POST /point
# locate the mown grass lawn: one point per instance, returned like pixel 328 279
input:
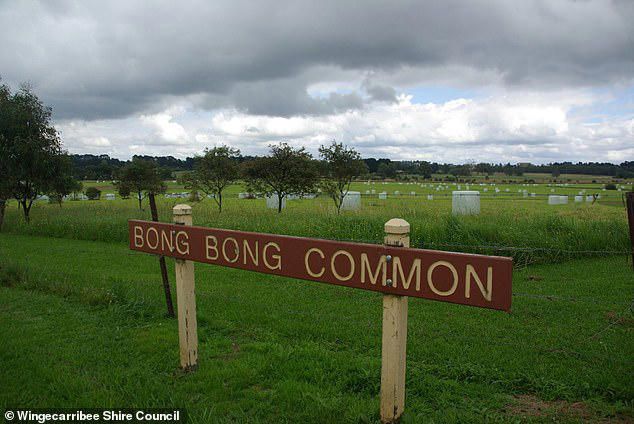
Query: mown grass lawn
pixel 83 324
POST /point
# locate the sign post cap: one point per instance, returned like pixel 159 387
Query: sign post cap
pixel 182 210
pixel 397 226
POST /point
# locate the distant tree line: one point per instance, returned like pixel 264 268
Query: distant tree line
pixel 103 167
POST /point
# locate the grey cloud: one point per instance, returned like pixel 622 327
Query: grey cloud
pixel 95 59
pixel 380 93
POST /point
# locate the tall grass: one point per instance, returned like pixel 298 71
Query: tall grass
pixel 528 230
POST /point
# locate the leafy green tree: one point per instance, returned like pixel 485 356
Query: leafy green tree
pixel 386 170
pixel 214 171
pixel 285 171
pixel 93 193
pixel 123 190
pixel 141 176
pixel 424 169
pixel 341 166
pixel 63 182
pixel 483 168
pixel 460 170
pixel 29 147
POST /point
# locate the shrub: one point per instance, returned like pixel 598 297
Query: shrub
pixel 610 186
pixel 93 193
pixel 123 190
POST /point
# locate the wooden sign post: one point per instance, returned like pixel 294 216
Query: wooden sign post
pixel 186 299
pixel 394 340
pixel 393 269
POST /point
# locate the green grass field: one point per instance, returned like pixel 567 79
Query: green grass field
pixel 83 324
pixel 83 317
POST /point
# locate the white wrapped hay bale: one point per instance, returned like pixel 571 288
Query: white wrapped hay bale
pixel 397 193
pixel 465 202
pixel 412 193
pixel 588 198
pixel 558 200
pixel 272 201
pixel 578 199
pixel 351 201
pixel 383 195
pixel 242 195
pixel 430 197
pixel 109 196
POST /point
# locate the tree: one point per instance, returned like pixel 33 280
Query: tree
pixel 424 169
pixel 141 176
pixel 123 190
pixel 5 184
pixel 214 171
pixel 285 171
pixel 63 183
pixel 93 193
pixel 341 166
pixel 386 170
pixel 460 171
pixel 556 173
pixel 29 146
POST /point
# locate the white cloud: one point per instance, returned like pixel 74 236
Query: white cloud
pixel 506 126
pixel 170 132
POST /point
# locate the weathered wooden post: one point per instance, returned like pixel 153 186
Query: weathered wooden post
pixel 186 299
pixel 163 267
pixel 629 202
pixel 394 340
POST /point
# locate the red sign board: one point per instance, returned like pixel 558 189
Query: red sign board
pixel 468 279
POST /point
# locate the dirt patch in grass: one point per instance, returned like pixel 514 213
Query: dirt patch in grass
pixel 526 407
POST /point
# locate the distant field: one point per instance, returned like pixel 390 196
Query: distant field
pixel 512 183
pixel 509 224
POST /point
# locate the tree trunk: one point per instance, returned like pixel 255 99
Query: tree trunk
pixel 279 203
pixel 3 204
pixel 220 202
pixel 139 194
pixel 26 209
pixel 166 284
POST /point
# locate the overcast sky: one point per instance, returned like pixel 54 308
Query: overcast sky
pixel 446 81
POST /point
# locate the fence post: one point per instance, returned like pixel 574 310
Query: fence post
pixel 629 203
pixel 186 299
pixel 162 266
pixel 394 339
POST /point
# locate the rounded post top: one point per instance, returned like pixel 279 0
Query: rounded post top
pixel 182 210
pixel 397 226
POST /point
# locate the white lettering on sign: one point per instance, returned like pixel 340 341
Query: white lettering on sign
pixel 381 266
pixel 430 282
pixel 334 269
pixel 277 258
pixel 307 258
pixel 236 252
pixel 397 270
pixel 485 293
